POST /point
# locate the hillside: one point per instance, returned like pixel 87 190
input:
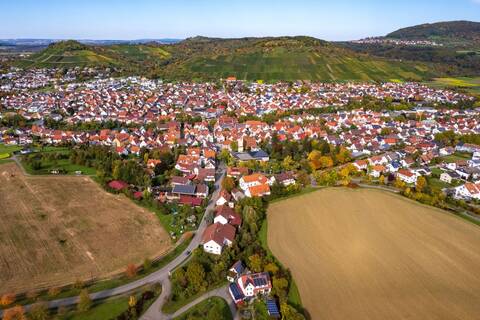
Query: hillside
pixel 200 58
pixel 452 32
pixel 72 53
pixel 285 58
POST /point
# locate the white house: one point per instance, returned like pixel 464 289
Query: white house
pixel 468 191
pixel 216 236
pixel 407 176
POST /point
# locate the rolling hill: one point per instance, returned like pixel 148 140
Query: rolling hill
pixel 200 58
pixel 284 58
pixel 460 33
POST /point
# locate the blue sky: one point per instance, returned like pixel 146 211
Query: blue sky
pixel 135 19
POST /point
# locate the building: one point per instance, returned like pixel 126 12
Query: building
pixel 407 176
pixel 225 214
pixel 249 286
pixel 255 185
pixel 235 271
pixel 468 191
pixel 216 236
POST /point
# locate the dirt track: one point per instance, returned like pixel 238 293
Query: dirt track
pixel 368 254
pixel 55 230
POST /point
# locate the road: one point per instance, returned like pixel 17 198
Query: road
pixel 221 292
pixel 159 276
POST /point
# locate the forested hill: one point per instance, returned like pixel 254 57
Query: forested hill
pixel 445 32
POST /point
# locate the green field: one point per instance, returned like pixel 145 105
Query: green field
pixel 108 309
pixel 469 84
pixel 212 308
pixel 280 64
pixel 4 150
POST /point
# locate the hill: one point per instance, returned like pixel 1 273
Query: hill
pixel 201 58
pixel 451 32
pixel 283 58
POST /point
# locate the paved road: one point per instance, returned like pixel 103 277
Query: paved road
pixel 159 276
pixel 220 292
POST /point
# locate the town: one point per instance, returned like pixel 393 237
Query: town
pixel 174 146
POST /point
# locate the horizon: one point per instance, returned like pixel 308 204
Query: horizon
pixel 147 19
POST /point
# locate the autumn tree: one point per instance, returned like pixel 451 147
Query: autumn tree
pixel 7 299
pixel 196 276
pixel 131 270
pixel 84 301
pixel 15 313
pixel 255 262
pixel 228 184
pixel 39 311
pixel 420 184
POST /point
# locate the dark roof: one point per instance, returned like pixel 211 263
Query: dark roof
pixel 236 292
pixel 184 189
pixel 272 308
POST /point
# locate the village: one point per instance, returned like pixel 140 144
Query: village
pixel 244 129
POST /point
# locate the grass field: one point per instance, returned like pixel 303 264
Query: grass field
pixel 208 309
pixel 470 84
pixel 57 230
pixel 368 254
pixel 8 150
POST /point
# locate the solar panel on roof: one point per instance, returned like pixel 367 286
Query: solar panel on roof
pixel 237 294
pixel 272 308
pixel 259 282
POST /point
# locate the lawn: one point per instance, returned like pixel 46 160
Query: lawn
pixel 62 164
pixel 109 309
pixel 457 156
pixel 212 308
pixel 4 149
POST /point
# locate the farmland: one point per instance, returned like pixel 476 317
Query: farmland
pixel 57 230
pixel 375 255
pixel 471 85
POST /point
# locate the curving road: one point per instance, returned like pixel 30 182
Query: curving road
pixel 221 292
pixel 159 276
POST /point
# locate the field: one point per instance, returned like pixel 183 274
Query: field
pixel 471 85
pixel 284 65
pixel 368 254
pixel 57 230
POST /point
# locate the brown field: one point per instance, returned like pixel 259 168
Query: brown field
pixel 368 254
pixel 56 230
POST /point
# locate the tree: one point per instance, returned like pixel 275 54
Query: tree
pixel 280 286
pixel 255 262
pixel 421 184
pixel 271 268
pixel 196 276
pixel 39 311
pixel 131 270
pixel 288 163
pixel 289 313
pixel 84 301
pixel 15 313
pixel 147 264
pixel 228 184
pixel 7 298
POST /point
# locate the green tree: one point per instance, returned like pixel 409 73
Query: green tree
pixel 39 311
pixel 196 276
pixel 84 301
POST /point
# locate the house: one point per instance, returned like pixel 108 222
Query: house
pixel 285 178
pixel 377 171
pixel 184 189
pixel 448 177
pixel 237 172
pixel 258 155
pixel 407 176
pixel 224 215
pixel 201 191
pixel 252 180
pixel 468 191
pixel 235 271
pixel 361 164
pixel 224 198
pixel 249 286
pixel 216 236
pixel 190 201
pixel 175 180
pixel 237 195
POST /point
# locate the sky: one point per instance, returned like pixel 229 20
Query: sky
pixel 150 19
